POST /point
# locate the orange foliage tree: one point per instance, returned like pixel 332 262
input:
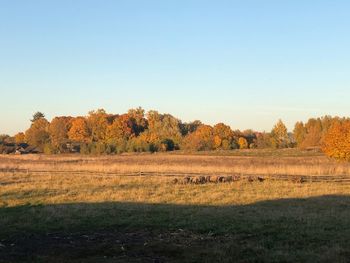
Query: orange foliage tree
pixel 200 140
pixel 79 131
pixel 336 143
pixel 58 131
pixel 312 133
pixel 121 128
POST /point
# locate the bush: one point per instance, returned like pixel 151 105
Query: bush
pixel 138 144
pixel 98 148
pixel 49 149
pixel 84 148
pixel 167 145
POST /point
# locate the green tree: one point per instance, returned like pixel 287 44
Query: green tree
pixel 38 115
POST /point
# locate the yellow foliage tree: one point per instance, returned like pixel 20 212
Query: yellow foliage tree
pixel 38 135
pixel 279 135
pixel 20 138
pixel 243 143
pixel 97 122
pixel 223 136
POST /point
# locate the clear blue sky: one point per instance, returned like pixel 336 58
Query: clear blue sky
pixel 246 63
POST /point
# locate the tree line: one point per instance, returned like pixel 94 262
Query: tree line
pixel 136 131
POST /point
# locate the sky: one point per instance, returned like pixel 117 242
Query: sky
pixel 245 63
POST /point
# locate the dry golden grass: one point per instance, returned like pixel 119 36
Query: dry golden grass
pixel 255 164
pixel 107 218
pixel 20 189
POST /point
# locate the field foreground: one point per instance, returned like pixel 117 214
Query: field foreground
pixel 101 218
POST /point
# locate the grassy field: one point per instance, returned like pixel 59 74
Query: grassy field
pixel 97 218
pixel 263 162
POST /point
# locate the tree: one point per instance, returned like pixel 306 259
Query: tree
pixel 243 143
pixel 250 136
pixel 58 131
pixel 138 119
pixel 299 133
pixel 337 141
pixel 20 138
pixel 189 127
pixel 223 136
pixel 263 140
pixel 121 128
pixel 312 133
pixel 200 140
pixel 163 127
pixel 38 115
pixel 38 135
pixel 279 135
pixel 79 131
pixel 4 138
pixel 97 122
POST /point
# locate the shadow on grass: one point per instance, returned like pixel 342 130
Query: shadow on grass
pixel 288 230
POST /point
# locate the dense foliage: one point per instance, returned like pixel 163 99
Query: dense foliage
pixel 336 142
pixel 136 131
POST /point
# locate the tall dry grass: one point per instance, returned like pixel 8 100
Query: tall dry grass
pixel 263 165
pixel 22 188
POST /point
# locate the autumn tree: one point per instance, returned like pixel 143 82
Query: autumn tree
pixel 200 140
pixel 161 129
pixel 119 132
pixel 121 128
pixel 336 142
pixel 4 138
pixel 38 134
pixel 243 143
pixel 250 136
pixel 312 133
pixel 299 133
pixel 279 135
pixel 262 140
pixel 20 138
pixel 79 131
pixel 97 122
pixel 58 131
pixel 223 137
pixel 139 121
pixel 189 127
